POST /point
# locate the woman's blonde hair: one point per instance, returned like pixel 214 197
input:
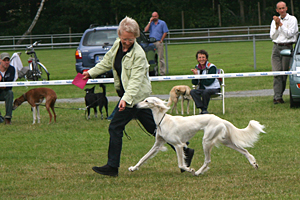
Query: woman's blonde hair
pixel 129 25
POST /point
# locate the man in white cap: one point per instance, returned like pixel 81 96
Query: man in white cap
pixel 7 74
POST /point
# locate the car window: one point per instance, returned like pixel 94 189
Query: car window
pixel 142 38
pixel 99 37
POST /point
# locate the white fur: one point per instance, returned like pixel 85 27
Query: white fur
pixel 177 130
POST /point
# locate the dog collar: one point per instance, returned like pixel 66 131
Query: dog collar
pixel 24 97
pixel 161 119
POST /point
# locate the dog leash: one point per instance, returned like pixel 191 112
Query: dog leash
pixel 158 125
pixel 66 108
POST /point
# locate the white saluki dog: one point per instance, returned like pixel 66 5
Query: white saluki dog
pixel 177 130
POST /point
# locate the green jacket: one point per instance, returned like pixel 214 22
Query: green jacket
pixel 135 73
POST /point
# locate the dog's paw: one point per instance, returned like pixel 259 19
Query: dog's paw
pixel 133 168
pixel 192 171
pixel 255 165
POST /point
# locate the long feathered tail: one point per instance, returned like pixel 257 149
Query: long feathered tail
pixel 245 137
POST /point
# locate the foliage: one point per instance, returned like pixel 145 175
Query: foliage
pixel 76 15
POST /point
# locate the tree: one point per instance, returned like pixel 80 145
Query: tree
pixel 33 22
pixel 242 13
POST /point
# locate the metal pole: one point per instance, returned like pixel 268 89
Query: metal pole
pixel 254 52
pixel 182 21
pixel 219 11
pixel 258 8
pixel 167 63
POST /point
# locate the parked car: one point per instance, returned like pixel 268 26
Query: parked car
pixel 294 78
pixel 97 40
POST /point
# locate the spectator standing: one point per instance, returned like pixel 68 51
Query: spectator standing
pixel 7 74
pixel 283 32
pixel 158 29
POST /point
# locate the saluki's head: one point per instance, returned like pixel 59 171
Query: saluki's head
pixel 152 103
pixel 19 101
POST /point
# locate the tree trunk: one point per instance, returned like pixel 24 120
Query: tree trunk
pixel 33 22
pixel 242 14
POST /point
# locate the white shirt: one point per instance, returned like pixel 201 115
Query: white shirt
pixel 287 33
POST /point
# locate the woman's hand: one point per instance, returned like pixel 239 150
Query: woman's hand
pixel 195 71
pixel 122 105
pixel 86 75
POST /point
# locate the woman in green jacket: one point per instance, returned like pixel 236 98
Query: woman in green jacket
pixel 131 80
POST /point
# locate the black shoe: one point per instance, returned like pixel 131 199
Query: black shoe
pixel 7 121
pixel 278 101
pixel 189 153
pixel 106 170
pixel 204 112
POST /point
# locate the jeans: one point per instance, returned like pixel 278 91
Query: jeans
pixel 117 126
pixel 201 97
pixel 8 97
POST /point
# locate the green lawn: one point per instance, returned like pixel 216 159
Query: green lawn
pixel 54 161
pixel 232 57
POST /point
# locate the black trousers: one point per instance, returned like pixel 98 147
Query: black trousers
pixel 201 97
pixel 117 127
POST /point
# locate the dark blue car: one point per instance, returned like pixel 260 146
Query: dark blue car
pixel 96 41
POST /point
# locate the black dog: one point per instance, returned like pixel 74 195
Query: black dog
pixel 93 100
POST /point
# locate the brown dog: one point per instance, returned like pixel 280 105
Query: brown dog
pixel 175 93
pixel 35 97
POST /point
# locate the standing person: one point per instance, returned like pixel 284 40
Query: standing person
pixel 284 30
pixel 7 74
pixel 158 29
pixel 205 87
pixel 131 80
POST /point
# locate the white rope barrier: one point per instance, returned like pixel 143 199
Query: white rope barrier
pixel 152 78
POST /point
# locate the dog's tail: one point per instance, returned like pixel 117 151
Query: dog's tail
pixel 245 137
pixel 103 88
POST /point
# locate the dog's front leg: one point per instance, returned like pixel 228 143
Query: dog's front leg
pixel 180 157
pixel 188 107
pixel 151 153
pixel 38 114
pixel 34 114
pixel 182 109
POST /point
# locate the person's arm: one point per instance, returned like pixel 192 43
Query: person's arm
pixel 195 81
pixel 148 25
pixel 273 31
pixel 138 70
pixel 163 37
pixel 1 80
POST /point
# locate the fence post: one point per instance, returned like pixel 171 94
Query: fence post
pixel 254 52
pixel 52 41
pixel 208 34
pixel 167 63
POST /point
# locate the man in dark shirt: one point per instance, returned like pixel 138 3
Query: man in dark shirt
pixel 7 74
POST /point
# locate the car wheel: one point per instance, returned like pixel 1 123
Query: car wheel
pixel 293 103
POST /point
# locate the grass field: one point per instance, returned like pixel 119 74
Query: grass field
pixel 232 57
pixel 54 161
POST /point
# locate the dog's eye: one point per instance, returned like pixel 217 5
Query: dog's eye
pixel 146 100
